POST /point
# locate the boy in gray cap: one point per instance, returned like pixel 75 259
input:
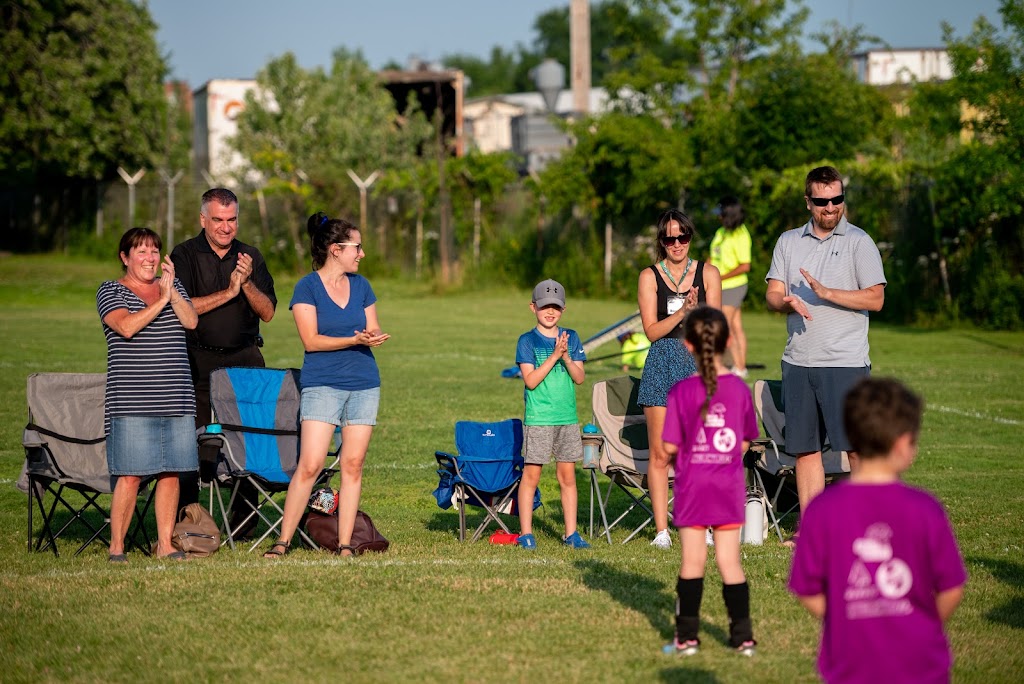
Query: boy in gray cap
pixel 550 359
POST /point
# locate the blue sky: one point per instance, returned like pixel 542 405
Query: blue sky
pixel 234 38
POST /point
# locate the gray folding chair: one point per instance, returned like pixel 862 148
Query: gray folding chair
pixel 625 454
pixel 65 470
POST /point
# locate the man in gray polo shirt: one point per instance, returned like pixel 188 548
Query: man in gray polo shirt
pixel 826 275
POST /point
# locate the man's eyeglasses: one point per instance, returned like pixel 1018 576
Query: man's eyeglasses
pixel 357 245
pixel 823 201
pixel 669 240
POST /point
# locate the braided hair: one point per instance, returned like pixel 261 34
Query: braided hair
pixel 708 331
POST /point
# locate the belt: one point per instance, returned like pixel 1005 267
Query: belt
pixel 257 341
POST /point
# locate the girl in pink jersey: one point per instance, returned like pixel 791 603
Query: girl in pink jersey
pixel 709 424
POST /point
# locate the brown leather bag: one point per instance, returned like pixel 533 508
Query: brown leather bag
pixel 323 529
pixel 196 532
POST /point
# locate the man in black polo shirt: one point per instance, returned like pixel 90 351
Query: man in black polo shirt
pixel 232 291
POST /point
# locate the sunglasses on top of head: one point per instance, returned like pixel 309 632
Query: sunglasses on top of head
pixel 823 201
pixel 669 240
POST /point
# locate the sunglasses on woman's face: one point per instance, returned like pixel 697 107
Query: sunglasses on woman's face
pixel 669 240
pixel 823 201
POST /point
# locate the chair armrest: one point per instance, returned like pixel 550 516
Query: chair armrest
pixel 449 462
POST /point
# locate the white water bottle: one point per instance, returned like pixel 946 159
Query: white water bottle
pixel 753 525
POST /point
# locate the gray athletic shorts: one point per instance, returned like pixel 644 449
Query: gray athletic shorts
pixel 544 441
pixel 813 400
pixel 734 296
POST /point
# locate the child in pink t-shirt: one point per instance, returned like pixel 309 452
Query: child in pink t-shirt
pixel 877 559
pixel 709 423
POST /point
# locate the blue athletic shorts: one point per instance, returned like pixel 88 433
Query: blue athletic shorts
pixel 813 400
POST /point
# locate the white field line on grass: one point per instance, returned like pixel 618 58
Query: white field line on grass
pixel 975 414
pixel 400 466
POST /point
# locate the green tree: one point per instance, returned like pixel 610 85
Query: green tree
pixel 80 94
pixel 494 76
pixel 81 89
pixel 302 130
pixel 979 192
pixel 783 120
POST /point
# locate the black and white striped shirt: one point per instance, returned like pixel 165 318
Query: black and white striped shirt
pixel 147 375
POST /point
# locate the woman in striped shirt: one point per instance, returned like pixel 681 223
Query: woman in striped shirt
pixel 150 403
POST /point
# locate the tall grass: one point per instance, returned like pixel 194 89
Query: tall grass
pixel 435 609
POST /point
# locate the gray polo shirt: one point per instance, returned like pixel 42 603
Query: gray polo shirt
pixel 846 260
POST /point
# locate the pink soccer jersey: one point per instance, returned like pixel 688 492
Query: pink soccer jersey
pixel 709 487
pixel 880 553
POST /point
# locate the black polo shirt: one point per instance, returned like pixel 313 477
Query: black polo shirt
pixel 202 272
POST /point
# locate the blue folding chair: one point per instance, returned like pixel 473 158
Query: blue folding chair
pixel 256 413
pixel 485 473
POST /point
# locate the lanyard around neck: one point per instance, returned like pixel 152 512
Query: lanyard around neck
pixel 672 280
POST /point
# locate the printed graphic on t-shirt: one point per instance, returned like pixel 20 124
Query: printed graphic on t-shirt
pixel 723 439
pixel 877 583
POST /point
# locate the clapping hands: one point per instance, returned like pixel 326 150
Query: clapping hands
pixel 371 338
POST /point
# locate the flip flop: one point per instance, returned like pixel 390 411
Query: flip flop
pixel 117 558
pixel 790 542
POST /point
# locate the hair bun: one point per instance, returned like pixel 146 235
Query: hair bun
pixel 315 222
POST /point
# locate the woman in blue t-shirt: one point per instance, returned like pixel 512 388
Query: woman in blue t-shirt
pixel 335 312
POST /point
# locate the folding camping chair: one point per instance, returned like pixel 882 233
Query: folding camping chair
pixel 256 414
pixel 768 456
pixel 485 472
pixel 625 453
pixel 66 461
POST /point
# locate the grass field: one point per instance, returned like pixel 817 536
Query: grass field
pixel 434 609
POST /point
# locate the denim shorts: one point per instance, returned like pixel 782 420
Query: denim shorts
pixel 813 401
pixel 340 407
pixel 541 442
pixel 148 445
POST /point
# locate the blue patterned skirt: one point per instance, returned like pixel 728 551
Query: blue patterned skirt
pixel 668 362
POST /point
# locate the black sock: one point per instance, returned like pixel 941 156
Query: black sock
pixel 737 604
pixel 689 593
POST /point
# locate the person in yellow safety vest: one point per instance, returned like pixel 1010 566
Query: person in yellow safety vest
pixel 634 350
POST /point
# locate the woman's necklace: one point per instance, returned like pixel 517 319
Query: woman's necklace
pixel 668 274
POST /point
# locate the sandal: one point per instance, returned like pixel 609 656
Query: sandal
pixel 345 547
pixel 278 549
pixel 790 542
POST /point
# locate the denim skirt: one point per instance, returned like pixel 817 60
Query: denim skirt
pixel 148 445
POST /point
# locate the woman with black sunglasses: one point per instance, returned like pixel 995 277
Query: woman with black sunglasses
pixel 667 291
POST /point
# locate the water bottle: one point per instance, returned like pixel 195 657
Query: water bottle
pixel 753 525
pixel 592 439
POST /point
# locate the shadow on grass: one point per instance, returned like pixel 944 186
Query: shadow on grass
pixel 1011 612
pixel 545 521
pixel 687 674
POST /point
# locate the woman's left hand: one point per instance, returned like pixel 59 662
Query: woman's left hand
pixel 691 300
pixel 167 278
pixel 372 338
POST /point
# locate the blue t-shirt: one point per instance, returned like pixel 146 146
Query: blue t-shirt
pixel 553 401
pixel 353 368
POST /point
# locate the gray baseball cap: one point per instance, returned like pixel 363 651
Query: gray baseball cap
pixel 549 292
